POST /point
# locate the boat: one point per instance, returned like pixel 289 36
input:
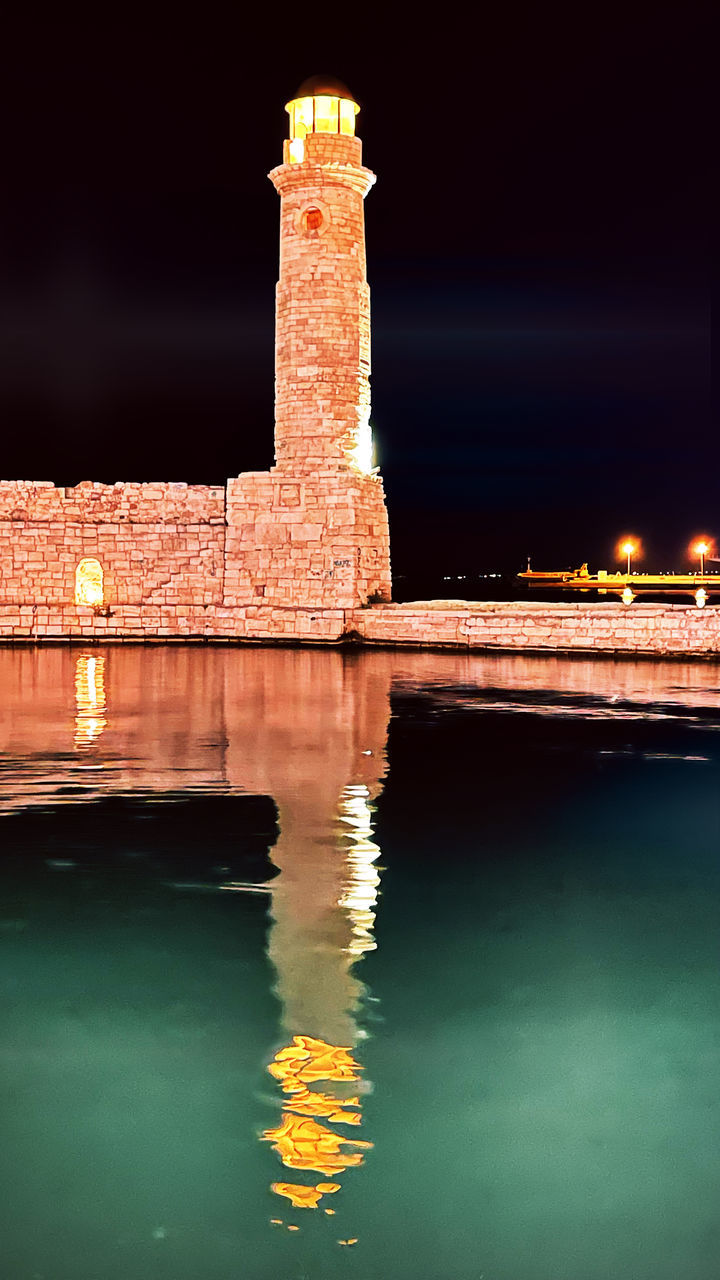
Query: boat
pixel 700 586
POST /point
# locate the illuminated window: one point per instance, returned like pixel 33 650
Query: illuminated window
pixel 348 111
pixel 89 582
pixel 326 115
pixel 321 113
pixel 301 117
pixel 312 219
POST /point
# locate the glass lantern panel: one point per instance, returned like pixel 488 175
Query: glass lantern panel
pixel 347 117
pixel 301 119
pixel 326 115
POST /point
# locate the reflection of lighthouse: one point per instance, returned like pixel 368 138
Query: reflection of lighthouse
pixel 319 725
pixel 323 911
pixel 323 908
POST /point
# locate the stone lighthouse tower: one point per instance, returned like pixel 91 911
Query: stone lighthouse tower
pixel 322 336
pixel 318 519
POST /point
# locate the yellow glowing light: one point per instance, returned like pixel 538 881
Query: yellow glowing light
pixel 90 699
pixel 322 113
pixel 701 597
pixel 301 117
pixel 327 115
pixel 628 596
pixel 89 582
pixel 701 549
pixel 628 547
pixel 348 112
pixel 296 151
pixel 362 454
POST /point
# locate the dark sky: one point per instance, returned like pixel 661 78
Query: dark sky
pixel 537 241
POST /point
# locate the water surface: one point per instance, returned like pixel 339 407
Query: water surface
pixel 366 965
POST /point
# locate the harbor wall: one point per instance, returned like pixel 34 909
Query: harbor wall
pixel 672 630
pixel 155 544
pixel 600 627
pixel 178 559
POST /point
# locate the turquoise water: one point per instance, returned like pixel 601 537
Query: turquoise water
pixel 260 907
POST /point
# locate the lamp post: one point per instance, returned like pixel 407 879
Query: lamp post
pixel 701 549
pixel 627 550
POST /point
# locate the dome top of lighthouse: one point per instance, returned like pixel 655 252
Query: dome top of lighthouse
pixel 323 86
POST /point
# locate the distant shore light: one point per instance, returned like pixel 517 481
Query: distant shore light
pixel 701 549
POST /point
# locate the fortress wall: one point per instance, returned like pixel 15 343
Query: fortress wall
pixel 169 621
pixel 601 627
pixel 159 503
pixel 672 630
pixel 294 541
pixel 156 543
pixel 290 542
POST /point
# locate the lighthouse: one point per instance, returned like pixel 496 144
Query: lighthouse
pixel 322 326
pixel 312 533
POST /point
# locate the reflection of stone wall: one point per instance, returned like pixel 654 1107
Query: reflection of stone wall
pixel 306 727
pixel 289 723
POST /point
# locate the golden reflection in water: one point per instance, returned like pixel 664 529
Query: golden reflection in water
pixel 321 1080
pixel 302 1142
pixel 90 702
pixel 323 913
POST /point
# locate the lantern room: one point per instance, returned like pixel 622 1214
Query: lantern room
pixel 321 105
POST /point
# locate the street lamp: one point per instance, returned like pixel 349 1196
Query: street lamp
pixel 628 549
pixel 701 549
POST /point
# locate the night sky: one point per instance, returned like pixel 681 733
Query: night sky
pixel 537 255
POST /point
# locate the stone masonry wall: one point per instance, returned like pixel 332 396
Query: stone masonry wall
pixel 602 627
pixel 181 560
pixel 295 541
pixel 159 503
pixel 156 543
pixel 650 630
pixel 322 318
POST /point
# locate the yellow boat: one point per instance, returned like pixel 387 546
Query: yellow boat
pixel 626 585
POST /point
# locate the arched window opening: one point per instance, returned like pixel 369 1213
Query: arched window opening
pixel 89 582
pixel 313 219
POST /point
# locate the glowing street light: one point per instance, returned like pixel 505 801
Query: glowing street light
pixel 701 549
pixel 628 549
